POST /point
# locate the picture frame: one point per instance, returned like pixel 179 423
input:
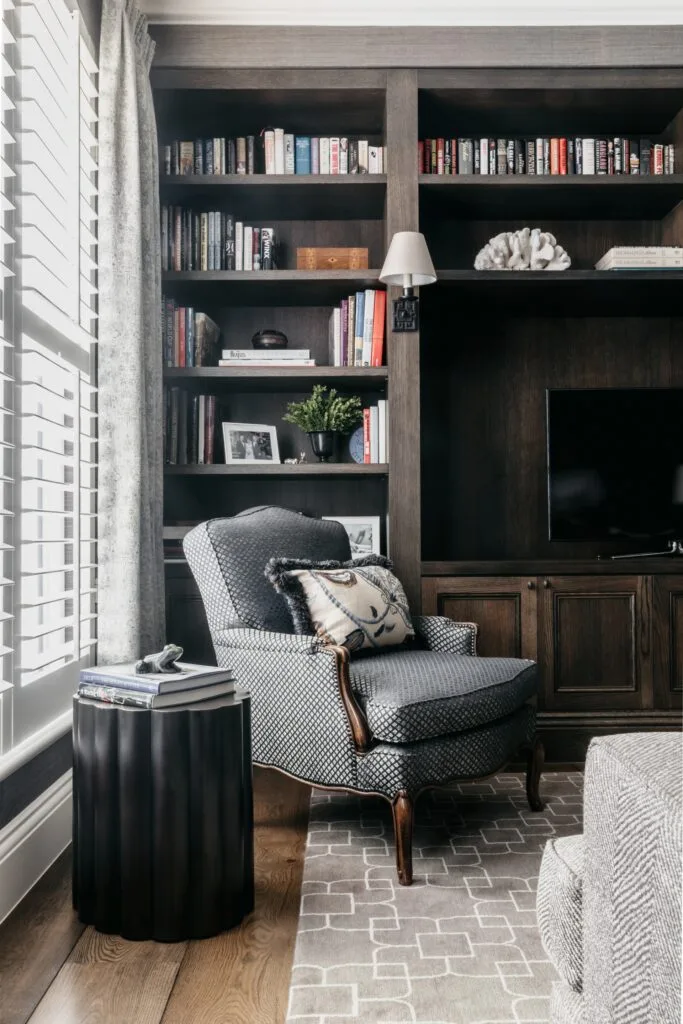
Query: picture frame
pixel 250 443
pixel 364 533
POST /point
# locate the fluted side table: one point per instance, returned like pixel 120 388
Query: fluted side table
pixel 163 818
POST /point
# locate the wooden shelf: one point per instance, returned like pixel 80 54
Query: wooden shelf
pixel 283 196
pixel 307 469
pixel 554 567
pixel 270 287
pixel 280 378
pixel 590 197
pixel 566 292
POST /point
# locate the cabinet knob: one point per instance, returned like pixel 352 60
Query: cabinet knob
pixel 530 584
pixel 546 584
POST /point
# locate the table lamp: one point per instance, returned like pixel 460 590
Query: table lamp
pixel 407 264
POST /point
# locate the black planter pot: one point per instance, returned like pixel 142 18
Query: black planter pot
pixel 324 443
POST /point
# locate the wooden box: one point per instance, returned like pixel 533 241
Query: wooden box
pixel 322 258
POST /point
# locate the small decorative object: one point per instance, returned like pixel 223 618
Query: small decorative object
pixel 528 249
pixel 321 258
pixel 357 445
pixel 162 661
pixel 409 265
pixel 324 416
pixel 302 458
pixel 269 339
pixel 291 462
pixel 250 442
pixel 363 533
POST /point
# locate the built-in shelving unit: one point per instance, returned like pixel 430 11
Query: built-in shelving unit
pixel 347 469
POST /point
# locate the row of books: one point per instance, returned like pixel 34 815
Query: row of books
pixel 642 257
pixel 274 151
pixel 189 428
pixel 254 357
pixel 121 684
pixel 545 156
pixel 356 330
pixel 213 241
pixel 375 434
pixel 189 338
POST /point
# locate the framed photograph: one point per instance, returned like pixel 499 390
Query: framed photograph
pixel 250 442
pixel 364 533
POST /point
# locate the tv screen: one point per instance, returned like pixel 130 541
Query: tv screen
pixel 615 464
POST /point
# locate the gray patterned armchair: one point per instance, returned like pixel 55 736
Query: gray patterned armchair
pixel 392 723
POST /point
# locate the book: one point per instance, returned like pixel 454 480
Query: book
pixel 279 142
pixel 358 335
pixel 136 699
pixel 124 676
pixel 382 446
pixel 368 318
pixel 343 156
pixel 324 156
pixel 269 150
pixel 362 156
pixel 268 362
pixel 334 156
pixel 302 154
pixel 289 153
pixel 379 316
pixel 374 434
pixel 241 148
pixel 366 436
pixel 255 355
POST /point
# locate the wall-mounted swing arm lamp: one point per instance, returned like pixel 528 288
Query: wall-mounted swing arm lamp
pixel 408 265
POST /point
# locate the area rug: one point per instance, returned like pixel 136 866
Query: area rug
pixel 459 946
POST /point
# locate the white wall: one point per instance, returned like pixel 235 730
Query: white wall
pixel 414 12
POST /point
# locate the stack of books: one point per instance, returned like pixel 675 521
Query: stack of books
pixel 254 357
pixel 375 436
pixel 189 428
pixel 642 257
pixel 120 684
pixel 545 156
pixel 275 151
pixel 189 338
pixel 356 332
pixel 213 241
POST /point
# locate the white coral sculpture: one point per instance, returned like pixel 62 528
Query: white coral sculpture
pixel 528 249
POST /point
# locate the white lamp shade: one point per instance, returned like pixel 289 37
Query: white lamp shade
pixel 408 257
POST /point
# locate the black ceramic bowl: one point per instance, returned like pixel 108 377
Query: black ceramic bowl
pixel 269 339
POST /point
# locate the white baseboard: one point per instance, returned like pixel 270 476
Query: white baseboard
pixel 32 841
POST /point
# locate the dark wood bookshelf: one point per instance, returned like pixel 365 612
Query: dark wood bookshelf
pixel 598 196
pixel 272 287
pixel 296 196
pixel 351 469
pixel 280 378
pixel 582 293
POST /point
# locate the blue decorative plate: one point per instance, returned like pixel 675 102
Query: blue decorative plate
pixel 356 445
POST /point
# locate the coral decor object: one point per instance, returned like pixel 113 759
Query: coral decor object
pixel 528 249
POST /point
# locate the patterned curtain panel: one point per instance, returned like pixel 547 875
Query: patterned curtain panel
pixel 131 580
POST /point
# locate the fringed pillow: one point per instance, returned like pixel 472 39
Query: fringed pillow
pixel 357 604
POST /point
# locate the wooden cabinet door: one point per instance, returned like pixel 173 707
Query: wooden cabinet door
pixel 667 614
pixel 504 608
pixel 595 642
pixel 185 618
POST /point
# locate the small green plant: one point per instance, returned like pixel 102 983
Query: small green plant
pixel 325 411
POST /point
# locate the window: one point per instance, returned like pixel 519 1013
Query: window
pixel 49 316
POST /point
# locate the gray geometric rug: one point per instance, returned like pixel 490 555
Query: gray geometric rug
pixel 459 946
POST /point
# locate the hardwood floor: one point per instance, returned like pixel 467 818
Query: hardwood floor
pixel 55 971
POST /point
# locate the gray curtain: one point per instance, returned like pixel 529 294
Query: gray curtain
pixel 131 573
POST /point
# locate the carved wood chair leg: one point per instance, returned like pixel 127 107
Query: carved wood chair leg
pixel 403 809
pixel 535 759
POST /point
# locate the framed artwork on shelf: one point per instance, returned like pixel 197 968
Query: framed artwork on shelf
pixel 250 442
pixel 364 533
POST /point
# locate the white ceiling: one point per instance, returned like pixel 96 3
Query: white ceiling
pixel 404 12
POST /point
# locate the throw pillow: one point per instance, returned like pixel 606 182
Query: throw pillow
pixel 357 604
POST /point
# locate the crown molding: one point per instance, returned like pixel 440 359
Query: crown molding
pixel 498 13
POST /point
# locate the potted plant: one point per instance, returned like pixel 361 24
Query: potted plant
pixel 324 416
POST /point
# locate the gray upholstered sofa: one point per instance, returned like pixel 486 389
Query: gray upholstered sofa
pixel 609 901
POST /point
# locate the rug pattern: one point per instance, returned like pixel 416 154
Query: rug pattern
pixel 459 946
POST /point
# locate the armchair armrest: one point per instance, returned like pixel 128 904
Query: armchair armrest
pixel 441 634
pixel 262 640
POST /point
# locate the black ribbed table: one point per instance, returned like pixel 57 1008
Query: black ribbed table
pixel 163 818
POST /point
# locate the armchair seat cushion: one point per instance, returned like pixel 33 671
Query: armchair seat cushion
pixel 415 695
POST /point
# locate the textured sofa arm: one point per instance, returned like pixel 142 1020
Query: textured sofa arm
pixel 441 634
pixel 262 640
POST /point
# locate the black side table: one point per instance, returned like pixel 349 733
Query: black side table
pixel 163 818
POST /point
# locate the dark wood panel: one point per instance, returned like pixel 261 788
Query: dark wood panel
pixel 548 567
pixel 308 469
pixel 257 46
pixel 264 379
pixel 403 349
pixel 595 642
pixel 186 623
pixel 26 784
pixel 668 642
pixel 484 494
pixel 567 735
pixel 504 609
pixel 218 288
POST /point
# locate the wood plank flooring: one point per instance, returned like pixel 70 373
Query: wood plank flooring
pixel 53 971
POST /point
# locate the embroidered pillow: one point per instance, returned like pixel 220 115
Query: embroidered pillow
pixel 357 604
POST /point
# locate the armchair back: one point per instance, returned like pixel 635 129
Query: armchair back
pixel 228 558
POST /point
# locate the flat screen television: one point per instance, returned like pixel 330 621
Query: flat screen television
pixel 615 464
